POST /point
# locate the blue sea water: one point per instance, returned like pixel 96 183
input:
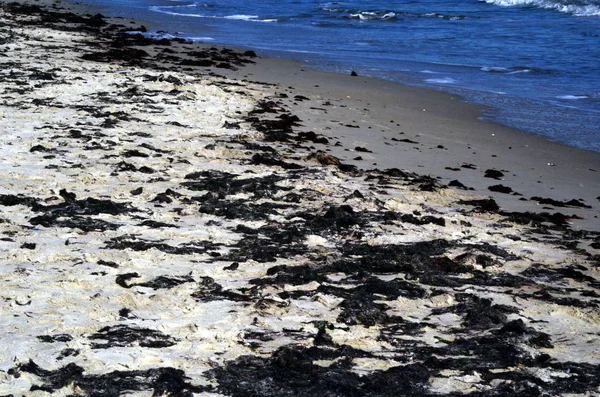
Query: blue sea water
pixel 534 64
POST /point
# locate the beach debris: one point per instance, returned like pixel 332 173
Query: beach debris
pixel 483 205
pixel 494 174
pixel 500 189
pixel 123 335
pixel 557 203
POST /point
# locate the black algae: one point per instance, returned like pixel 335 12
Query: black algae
pixel 55 338
pixel 164 381
pixel 272 160
pixel 135 244
pixel 494 174
pixel 291 371
pixel 409 218
pixel 484 205
pixel 557 203
pixel 210 291
pixel 85 224
pixel 222 184
pixel 537 219
pixel 123 335
pixel 478 313
pixel 360 309
pixel 500 189
pixel 238 209
pixel 10 200
pixel 161 282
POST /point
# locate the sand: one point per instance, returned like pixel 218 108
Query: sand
pixel 171 229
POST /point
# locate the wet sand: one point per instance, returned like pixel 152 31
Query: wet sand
pixel 179 220
pixel 433 133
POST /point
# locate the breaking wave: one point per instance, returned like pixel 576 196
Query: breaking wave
pixel 580 8
pixel 386 15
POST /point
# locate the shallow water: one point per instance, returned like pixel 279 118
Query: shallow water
pixel 533 62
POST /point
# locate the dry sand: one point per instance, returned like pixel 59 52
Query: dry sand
pixel 169 230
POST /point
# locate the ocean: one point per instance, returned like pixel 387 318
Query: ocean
pixel 533 64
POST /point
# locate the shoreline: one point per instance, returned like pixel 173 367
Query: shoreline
pixel 544 169
pixel 175 222
pixel 502 117
pixel 532 165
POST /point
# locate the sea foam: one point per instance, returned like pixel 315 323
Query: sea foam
pixel 585 8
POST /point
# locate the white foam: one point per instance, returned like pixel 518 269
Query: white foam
pixel 494 69
pixel 200 38
pixel 241 17
pixel 585 8
pixel 443 80
pixel 573 97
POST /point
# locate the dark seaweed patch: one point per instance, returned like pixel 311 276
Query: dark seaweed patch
pixel 478 313
pixel 88 206
pixel 484 205
pixel 272 160
pixel 500 189
pixel 123 335
pixel 209 290
pixel 133 243
pixel 311 136
pixel 360 309
pixel 85 224
pixel 10 200
pixel 425 220
pixel 73 213
pixel 494 174
pixel 164 381
pixel 223 184
pixel 161 282
pixel 290 371
pixel 557 203
pixel 537 219
pixel 55 338
pixel 238 209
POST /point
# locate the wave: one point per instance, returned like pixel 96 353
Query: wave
pixel 573 97
pixel 516 70
pixel 580 8
pixel 238 17
pixel 442 80
pixel 387 15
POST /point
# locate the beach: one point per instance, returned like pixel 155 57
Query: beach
pixel 183 219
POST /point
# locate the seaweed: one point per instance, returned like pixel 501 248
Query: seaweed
pixel 160 282
pixel 483 205
pixel 478 313
pixel 123 335
pixel 360 309
pixel 557 203
pixel 163 381
pixel 55 338
pixel 222 184
pixel 210 291
pixel 272 160
pixel 133 243
pixel 291 371
pixel 85 224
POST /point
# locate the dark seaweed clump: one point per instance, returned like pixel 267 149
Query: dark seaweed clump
pixel 290 371
pixel 163 381
pixel 123 335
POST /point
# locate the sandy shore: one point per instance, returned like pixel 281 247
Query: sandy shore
pixel 181 220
